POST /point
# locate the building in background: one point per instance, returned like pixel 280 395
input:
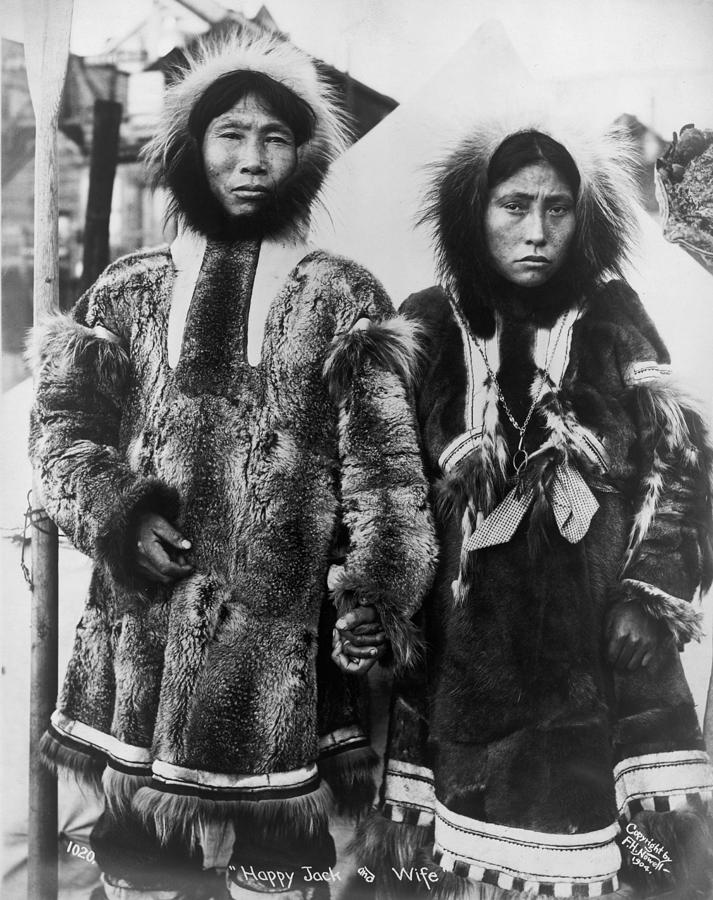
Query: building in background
pixel 131 71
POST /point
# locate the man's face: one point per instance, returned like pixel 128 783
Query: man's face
pixel 248 153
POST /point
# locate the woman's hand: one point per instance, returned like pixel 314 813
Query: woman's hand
pixel 358 640
pixel 161 550
pixel 632 636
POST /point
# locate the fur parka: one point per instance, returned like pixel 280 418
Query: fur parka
pixel 215 698
pixel 519 760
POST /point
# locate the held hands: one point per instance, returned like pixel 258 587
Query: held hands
pixel 358 640
pixel 161 550
pixel 632 636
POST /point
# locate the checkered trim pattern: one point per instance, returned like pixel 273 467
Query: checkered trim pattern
pixel 553 865
pixel 409 796
pixel 679 779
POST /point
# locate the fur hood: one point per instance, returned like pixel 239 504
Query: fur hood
pixel 284 63
pixel 606 222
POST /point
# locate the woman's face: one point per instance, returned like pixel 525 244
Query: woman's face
pixel 529 224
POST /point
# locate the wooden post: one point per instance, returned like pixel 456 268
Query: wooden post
pixel 105 152
pixel 47 29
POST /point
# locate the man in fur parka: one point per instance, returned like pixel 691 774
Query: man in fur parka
pixel 219 424
pixel 550 738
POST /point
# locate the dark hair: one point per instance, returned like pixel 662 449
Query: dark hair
pixel 227 90
pixel 525 148
pixel 456 206
pixel 184 172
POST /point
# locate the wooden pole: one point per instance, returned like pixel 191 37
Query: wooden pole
pixel 105 153
pixel 47 29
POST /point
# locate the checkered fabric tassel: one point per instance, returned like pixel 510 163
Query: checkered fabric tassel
pixel 573 506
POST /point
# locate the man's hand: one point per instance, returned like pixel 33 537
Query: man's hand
pixel 358 640
pixel 161 550
pixel 632 636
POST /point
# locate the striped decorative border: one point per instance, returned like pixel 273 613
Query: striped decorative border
pixel 459 448
pixel 646 371
pixel 554 865
pixel 409 795
pixel 172 779
pixel 662 782
pixel 126 758
pixel 342 739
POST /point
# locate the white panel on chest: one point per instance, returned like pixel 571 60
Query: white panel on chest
pixel 277 259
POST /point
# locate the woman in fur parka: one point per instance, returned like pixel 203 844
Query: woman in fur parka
pixel 218 424
pixel 550 738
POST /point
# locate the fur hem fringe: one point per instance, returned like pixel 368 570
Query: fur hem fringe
pixel 350 775
pixel 383 845
pixel 394 345
pixel 177 817
pixel 73 765
pixel 120 788
pixel 688 839
pixel 681 619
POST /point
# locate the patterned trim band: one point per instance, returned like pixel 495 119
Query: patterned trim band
pixel 644 372
pixel 408 793
pixel 554 865
pixel 660 780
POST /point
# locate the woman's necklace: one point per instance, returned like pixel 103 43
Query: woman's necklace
pixel 520 456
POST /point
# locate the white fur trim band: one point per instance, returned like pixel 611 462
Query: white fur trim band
pixel 524 860
pixel 659 781
pixel 127 756
pixel 174 779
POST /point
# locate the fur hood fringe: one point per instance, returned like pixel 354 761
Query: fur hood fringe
pixel 606 217
pixel 267 55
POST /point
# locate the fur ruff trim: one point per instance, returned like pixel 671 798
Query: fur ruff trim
pixel 606 218
pixel 381 844
pixel 120 788
pixel 268 55
pixel 395 345
pixel 404 637
pixel 73 765
pixel 684 622
pixel 177 817
pixel 688 839
pixel 59 343
pixel 672 432
pixel 350 775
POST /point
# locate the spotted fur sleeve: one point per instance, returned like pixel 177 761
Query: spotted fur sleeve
pixel 391 543
pixel 82 369
pixel 669 554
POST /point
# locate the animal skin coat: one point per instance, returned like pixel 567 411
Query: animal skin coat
pixel 518 760
pixel 280 440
